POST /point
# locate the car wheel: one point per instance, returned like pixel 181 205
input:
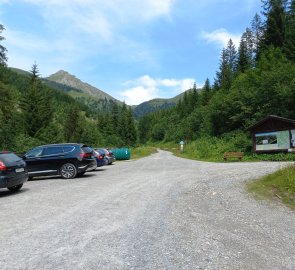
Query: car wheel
pixel 15 188
pixel 68 171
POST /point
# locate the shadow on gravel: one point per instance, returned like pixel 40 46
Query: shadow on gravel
pixel 43 178
pixel 98 170
pixel 6 193
pixel 86 175
pixel 55 177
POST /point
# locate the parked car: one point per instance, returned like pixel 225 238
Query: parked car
pixel 67 160
pixel 13 171
pixel 110 158
pixel 100 158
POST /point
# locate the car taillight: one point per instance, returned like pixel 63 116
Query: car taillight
pixel 109 154
pixel 85 155
pixel 2 166
pixel 100 157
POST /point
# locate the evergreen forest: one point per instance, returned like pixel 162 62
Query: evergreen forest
pixel 254 80
pixel 32 114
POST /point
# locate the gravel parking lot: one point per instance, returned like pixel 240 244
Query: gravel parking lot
pixel 159 212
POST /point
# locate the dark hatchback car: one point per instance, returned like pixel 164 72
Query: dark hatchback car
pixel 67 160
pixel 109 156
pixel 13 171
pixel 100 158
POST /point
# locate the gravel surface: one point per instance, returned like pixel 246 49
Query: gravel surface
pixel 159 212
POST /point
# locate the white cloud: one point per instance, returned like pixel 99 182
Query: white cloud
pixel 80 28
pixel 146 88
pixel 102 16
pixel 139 94
pixel 221 37
pixel 26 41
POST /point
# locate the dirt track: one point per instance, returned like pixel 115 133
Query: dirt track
pixel 160 212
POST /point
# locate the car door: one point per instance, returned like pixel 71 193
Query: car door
pixel 34 161
pixel 54 157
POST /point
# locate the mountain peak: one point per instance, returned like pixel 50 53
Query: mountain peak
pixel 64 77
pixel 61 76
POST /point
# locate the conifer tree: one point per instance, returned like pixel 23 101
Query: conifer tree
pixel 245 52
pixel 72 127
pixel 131 135
pixel 275 26
pixel 289 44
pixel 36 105
pixel 257 31
pixel 227 67
pixel 206 93
pixel 144 127
pixel 232 56
pixel 127 128
pixel 8 110
pixel 3 50
pixel 115 118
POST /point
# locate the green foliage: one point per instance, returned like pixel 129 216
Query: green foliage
pixel 275 26
pixel 213 148
pixel 36 106
pixel 289 42
pixel 3 50
pixel 279 185
pixel 32 113
pixel 142 151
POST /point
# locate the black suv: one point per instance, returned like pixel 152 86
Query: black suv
pixel 13 172
pixel 67 160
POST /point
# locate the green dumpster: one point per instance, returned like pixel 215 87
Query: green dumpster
pixel 121 153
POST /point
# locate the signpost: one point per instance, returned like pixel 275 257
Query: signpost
pixel 181 146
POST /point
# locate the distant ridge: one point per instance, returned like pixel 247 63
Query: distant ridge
pixel 97 99
pixel 65 78
pixel 157 104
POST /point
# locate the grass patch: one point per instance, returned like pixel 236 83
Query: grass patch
pixel 279 185
pixel 213 148
pixel 142 151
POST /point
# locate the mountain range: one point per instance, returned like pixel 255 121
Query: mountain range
pixel 95 98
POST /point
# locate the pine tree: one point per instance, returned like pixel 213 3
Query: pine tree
pixel 144 128
pixel 72 128
pixel 275 26
pixel 123 129
pixel 227 68
pixel 3 50
pixel 8 111
pixel 36 105
pixel 232 56
pixel 131 136
pixel 257 31
pixel 206 93
pixel 289 44
pixel 245 52
pixel 115 118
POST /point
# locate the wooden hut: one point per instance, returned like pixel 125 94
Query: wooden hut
pixel 273 134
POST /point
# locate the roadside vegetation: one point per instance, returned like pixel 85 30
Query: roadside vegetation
pixel 277 186
pixel 213 148
pixel 142 151
pixel 253 81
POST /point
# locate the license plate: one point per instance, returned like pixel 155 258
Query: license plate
pixel 19 170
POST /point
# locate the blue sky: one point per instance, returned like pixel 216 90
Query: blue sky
pixel 134 50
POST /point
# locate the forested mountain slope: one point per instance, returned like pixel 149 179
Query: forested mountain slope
pixel 254 80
